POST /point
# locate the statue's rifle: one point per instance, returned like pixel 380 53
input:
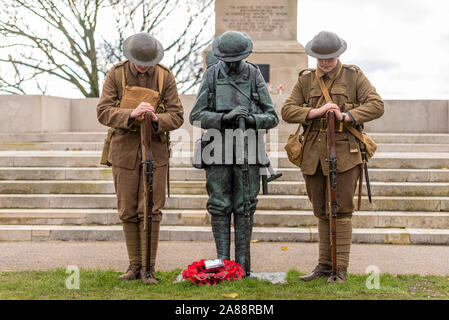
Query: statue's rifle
pixel 246 190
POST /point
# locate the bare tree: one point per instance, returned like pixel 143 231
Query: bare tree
pixel 77 41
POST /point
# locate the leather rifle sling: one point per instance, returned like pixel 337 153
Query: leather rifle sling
pixel 160 83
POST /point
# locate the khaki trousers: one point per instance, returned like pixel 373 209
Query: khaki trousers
pixel 316 186
pixel 129 187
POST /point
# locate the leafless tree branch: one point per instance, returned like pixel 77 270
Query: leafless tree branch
pixel 69 46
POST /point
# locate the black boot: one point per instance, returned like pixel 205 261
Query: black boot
pixel 243 227
pixel 221 228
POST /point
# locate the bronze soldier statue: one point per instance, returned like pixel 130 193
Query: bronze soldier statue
pixel 233 95
pixel 133 88
pixel 354 101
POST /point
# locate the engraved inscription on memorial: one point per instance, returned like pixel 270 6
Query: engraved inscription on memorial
pixel 273 19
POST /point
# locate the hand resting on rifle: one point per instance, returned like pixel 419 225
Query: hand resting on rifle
pixel 143 108
pixel 236 113
pixel 315 113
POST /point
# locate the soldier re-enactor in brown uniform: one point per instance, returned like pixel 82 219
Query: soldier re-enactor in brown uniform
pixel 355 101
pixel 140 70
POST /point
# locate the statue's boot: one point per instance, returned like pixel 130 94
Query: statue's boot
pixel 147 274
pixel 221 229
pixel 243 227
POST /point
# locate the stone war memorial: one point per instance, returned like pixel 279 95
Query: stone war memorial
pixel 272 27
pixel 53 190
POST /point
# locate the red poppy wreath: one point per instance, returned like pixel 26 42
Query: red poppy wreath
pixel 200 275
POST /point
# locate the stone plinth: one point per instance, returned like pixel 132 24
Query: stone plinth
pixel 272 25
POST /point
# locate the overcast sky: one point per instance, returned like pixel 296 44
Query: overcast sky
pixel 401 45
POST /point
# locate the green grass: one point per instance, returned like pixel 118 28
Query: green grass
pixel 100 284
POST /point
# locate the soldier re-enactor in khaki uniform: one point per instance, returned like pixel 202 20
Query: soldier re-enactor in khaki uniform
pixel 355 101
pixel 140 70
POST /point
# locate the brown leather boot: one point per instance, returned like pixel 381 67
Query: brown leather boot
pixel 320 271
pixel 148 277
pixel 341 277
pixel 132 273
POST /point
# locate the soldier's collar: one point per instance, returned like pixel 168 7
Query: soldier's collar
pixel 135 72
pixel 332 74
pixel 225 68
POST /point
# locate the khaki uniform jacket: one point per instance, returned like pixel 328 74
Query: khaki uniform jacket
pixel 353 93
pixel 125 143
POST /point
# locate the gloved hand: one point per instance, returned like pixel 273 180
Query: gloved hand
pixel 235 113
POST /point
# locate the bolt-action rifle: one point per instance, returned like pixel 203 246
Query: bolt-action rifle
pixel 246 192
pixel 333 188
pixel 147 163
pixel 265 179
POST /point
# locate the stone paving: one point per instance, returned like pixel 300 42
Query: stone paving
pixel 267 257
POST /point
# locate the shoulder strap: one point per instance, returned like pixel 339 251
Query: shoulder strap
pixel 325 91
pixel 120 80
pixel 253 69
pixel 161 73
pixel 351 82
pixel 307 84
pixel 324 88
pixel 211 83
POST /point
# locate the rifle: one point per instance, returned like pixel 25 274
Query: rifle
pixel 245 176
pixel 266 179
pixel 267 169
pixel 333 188
pixel 147 162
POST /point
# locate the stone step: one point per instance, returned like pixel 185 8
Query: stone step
pixel 263 218
pixel 424 189
pixel 412 138
pixel 58 173
pixel 98 146
pixel 381 160
pixel 381 147
pixel 52 137
pixel 386 160
pixel 192 174
pixel 50 158
pixel 51 146
pixel 176 201
pixel 189 233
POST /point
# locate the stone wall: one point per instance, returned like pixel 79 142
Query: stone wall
pixel 35 113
